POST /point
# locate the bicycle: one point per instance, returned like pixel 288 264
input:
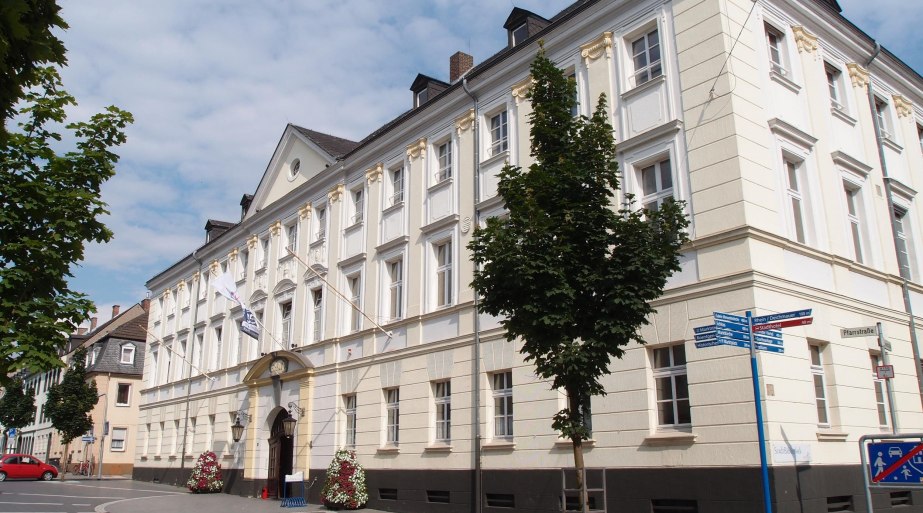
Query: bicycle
pixel 84 468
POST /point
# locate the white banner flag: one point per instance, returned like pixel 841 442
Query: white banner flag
pixel 226 286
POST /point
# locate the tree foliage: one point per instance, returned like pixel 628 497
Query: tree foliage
pixel 49 208
pixel 69 402
pixel 26 43
pixel 17 406
pixel 571 273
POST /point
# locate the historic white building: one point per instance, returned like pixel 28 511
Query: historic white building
pixel 795 142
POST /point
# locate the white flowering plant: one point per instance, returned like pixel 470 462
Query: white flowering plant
pixel 206 475
pixel 345 487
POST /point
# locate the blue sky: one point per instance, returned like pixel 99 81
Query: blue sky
pixel 212 84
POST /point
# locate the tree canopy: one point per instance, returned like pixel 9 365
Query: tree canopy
pixel 572 268
pixel 17 406
pixel 49 208
pixel 69 402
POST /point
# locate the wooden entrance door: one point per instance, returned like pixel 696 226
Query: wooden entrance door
pixel 281 452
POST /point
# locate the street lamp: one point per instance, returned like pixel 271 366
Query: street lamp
pixel 288 424
pixel 237 429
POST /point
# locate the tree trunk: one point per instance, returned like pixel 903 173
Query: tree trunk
pixel 582 502
pixel 63 472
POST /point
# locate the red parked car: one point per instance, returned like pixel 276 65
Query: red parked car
pixel 25 466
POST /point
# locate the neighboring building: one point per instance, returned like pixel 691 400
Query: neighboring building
pixel 772 120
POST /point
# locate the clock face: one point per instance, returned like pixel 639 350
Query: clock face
pixel 278 366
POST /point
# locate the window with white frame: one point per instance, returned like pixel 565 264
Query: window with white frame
pixel 835 86
pixel 155 367
pixel 320 223
pixel 218 347
pixel 160 438
pixel 795 197
pixel 393 416
pixel 645 54
pixel 291 238
pixel 210 432
pixel 119 435
pixel 354 286
pixel 920 135
pixel 443 273
pixel 820 386
pixel 502 391
pixel 442 398
pixel 264 252
pixel 317 314
pixel 395 186
pixel 672 385
pixel 168 368
pixel 260 315
pixel 349 406
pixel 855 218
pixel 443 161
pixel 128 354
pixel 395 275
pixel 656 180
pixel 778 52
pixel 285 323
pixel 499 133
pixel 203 287
pixel 123 394
pixel 575 108
pixel 174 445
pixel 198 348
pixel 883 119
pixel 145 449
pixel 242 264
pixel 903 242
pixel 356 206
pixel 520 33
pixel 879 388
pixel 189 441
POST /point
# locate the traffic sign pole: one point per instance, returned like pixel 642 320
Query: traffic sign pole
pixel 888 387
pixel 754 371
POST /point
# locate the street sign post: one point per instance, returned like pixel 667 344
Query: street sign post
pixel 783 324
pixel 795 314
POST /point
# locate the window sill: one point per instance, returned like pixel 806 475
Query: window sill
pixel 831 436
pixel 890 143
pixel 499 445
pixel 143 458
pixel 670 438
pixel 503 155
pixel 286 256
pixel 318 242
pixel 566 443
pixel 394 243
pixel 393 208
pixel 843 116
pixel 353 227
pixel 650 84
pixel 441 184
pixel 124 405
pixel 189 457
pixel 172 457
pixel 438 447
pixel 158 458
pixel 785 82
pixel 227 456
pixel 388 449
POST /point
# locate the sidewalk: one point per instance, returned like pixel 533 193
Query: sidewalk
pixel 179 500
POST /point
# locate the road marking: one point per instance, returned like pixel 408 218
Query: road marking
pixel 102 507
pixel 165 492
pixel 66 496
pixel 35 503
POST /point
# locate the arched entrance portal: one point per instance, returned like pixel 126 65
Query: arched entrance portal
pixel 281 452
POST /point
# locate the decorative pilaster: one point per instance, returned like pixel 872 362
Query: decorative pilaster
pixel 903 106
pixel 464 122
pixel 417 149
pixel 214 267
pixel 275 228
pixel 596 48
pixel 304 212
pixel 521 89
pixel 336 193
pixel 252 240
pixel 858 74
pixel 807 42
pixel 232 256
pixel 373 174
pixel 181 285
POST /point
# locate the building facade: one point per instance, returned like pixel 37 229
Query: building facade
pixel 795 143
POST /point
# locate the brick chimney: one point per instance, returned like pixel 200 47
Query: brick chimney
pixel 459 64
pixel 146 304
pixel 93 321
pixel 115 311
pixel 81 331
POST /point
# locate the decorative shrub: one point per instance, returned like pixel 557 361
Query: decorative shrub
pixel 344 487
pixel 206 475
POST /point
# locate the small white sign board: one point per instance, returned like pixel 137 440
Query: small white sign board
pixel 864 331
pixel 783 452
pixel 294 478
pixel 884 371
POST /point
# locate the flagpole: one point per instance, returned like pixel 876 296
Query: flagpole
pixel 225 285
pixel 183 357
pixel 337 292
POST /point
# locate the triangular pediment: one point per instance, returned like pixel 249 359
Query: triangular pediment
pixel 300 155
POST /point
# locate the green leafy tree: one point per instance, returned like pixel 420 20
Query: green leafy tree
pixel 17 406
pixel 571 273
pixel 49 209
pixel 69 402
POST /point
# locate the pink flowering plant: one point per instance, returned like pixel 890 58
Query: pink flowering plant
pixel 345 487
pixel 206 475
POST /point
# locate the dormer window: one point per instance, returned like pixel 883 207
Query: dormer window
pixel 128 354
pixel 520 34
pixel 522 24
pixel 421 97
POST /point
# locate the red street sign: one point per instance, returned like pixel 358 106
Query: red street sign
pixel 782 324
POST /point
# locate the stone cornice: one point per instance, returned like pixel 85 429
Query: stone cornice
pixel 336 193
pixel 305 211
pixel 807 42
pixel 464 122
pixel 521 89
pixel 596 48
pixel 417 149
pixel 903 106
pixel 373 174
pixel 858 74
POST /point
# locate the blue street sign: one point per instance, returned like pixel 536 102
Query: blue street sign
pixel 771 349
pixel 736 335
pixel 706 343
pixel 732 342
pixel 729 317
pixel 763 319
pixel 704 329
pixel 11 432
pixel 772 334
pixel 87 439
pixel 732 326
pixel 769 341
pixel 709 335
pixel 896 462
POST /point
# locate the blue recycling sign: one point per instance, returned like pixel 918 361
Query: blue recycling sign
pixel 896 463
